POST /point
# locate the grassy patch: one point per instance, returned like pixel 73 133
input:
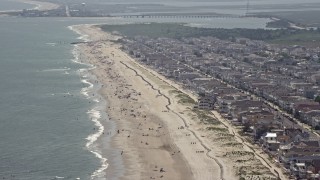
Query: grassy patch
pixel 239 153
pixel 309 38
pixel 204 117
pixel 242 170
pixel 308 18
pixel 185 99
pixel 153 30
pixel 278 24
pixel 165 86
pixel 235 144
pixel 178 31
pixel 256 173
pixel 304 38
pixel 175 91
pixel 243 160
pixel 248 170
pixel 225 135
pixel 217 129
pixel 223 139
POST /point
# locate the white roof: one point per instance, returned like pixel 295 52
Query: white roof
pixel 271 135
pixel 300 164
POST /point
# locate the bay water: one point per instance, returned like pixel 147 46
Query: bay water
pixel 7 5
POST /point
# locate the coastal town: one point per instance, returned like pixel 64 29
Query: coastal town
pixel 270 93
pixel 166 90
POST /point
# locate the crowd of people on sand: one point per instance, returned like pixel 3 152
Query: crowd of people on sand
pixel 200 151
pixel 130 109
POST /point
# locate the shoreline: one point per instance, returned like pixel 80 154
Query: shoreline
pixel 39 5
pixel 127 128
pixel 132 158
pixel 154 130
pixel 96 112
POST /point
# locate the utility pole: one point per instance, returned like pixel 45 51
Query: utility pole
pixel 247 9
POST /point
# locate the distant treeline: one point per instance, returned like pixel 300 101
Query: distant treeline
pixel 281 23
pixel 174 30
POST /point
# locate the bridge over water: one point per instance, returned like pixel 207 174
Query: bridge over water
pixel 180 16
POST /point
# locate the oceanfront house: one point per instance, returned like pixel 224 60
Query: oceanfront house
pixel 239 107
pixel 315 120
pixel 257 116
pixel 188 76
pixel 311 118
pixel 206 102
pixel 299 152
pixel 302 109
pixel 270 142
pixel 298 170
pixel 224 102
pixel 313 170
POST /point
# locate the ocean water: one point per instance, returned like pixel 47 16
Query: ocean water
pixel 48 123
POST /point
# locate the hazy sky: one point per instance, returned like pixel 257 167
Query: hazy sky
pixel 182 2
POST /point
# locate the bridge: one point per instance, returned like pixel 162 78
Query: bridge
pixel 180 16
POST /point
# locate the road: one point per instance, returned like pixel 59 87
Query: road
pixel 67 11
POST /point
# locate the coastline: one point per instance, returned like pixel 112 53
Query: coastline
pixel 153 130
pixel 97 111
pixel 40 5
pixel 123 140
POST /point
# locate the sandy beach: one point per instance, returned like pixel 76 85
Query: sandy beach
pixel 159 137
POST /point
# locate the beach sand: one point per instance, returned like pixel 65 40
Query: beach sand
pixel 157 136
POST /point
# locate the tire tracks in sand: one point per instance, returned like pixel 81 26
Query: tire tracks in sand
pixel 180 117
